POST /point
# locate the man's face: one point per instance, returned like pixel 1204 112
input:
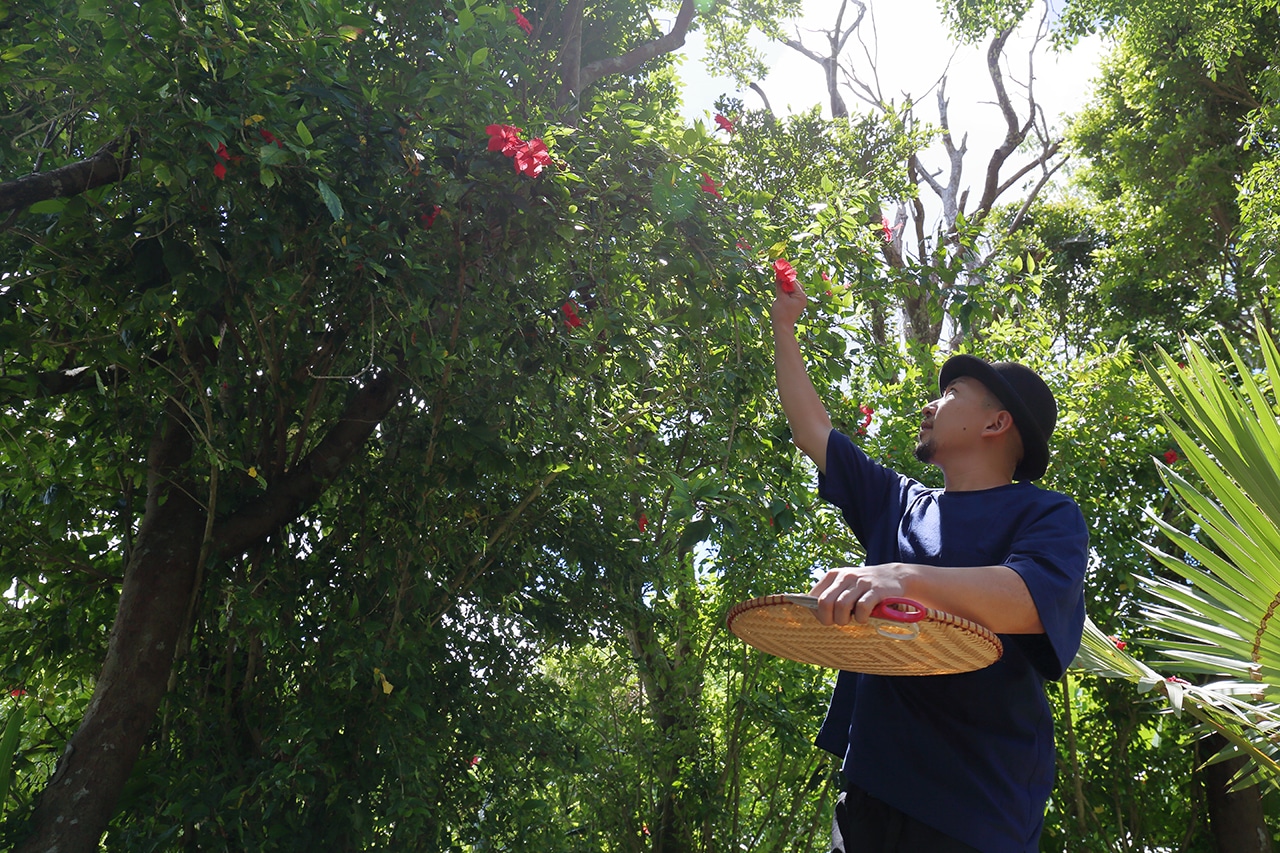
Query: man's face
pixel 953 423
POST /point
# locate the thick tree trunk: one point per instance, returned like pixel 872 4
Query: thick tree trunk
pixel 78 803
pixel 80 799
pixel 1235 817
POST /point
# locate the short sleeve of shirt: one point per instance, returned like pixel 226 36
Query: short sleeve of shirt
pixel 866 492
pixel 1050 554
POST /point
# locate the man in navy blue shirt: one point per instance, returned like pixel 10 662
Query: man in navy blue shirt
pixel 935 764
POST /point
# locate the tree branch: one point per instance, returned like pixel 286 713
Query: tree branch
pixel 836 39
pixel 1015 130
pixel 290 494
pixel 104 167
pixel 755 87
pixel 1043 157
pixel 637 56
pixel 571 55
pixel 1033 195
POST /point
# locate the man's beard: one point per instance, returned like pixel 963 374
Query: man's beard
pixel 924 451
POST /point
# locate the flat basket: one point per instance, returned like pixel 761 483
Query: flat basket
pixel 901 637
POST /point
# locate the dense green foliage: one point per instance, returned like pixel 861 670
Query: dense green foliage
pixel 461 465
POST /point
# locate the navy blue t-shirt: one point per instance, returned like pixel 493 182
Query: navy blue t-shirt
pixel 969 754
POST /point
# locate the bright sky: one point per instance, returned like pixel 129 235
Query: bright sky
pixel 911 46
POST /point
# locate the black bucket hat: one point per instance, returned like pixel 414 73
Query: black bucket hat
pixel 1024 394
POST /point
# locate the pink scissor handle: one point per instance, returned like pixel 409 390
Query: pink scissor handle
pixel 898 623
pixel 894 610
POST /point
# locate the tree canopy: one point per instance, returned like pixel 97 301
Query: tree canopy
pixel 387 422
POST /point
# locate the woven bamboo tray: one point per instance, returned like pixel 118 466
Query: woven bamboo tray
pixel 901 638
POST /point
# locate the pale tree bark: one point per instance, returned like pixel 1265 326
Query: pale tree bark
pixel 836 39
pixel 925 313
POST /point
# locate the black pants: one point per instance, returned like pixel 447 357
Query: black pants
pixel 864 824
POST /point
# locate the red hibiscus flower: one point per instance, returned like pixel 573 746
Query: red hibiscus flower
pixel 219 171
pixel 222 153
pixel 643 522
pixel 531 157
pixel 785 275
pixel 571 318
pixel 17 693
pixel 886 228
pixel 724 124
pixel 475 759
pixel 710 186
pixel 522 21
pixel 269 137
pixel 429 218
pixel 1118 643
pixel 1170 457
pixel 504 138
pixel 744 246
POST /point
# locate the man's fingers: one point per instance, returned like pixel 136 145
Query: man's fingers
pixel 865 605
pixel 850 594
pixel 837 595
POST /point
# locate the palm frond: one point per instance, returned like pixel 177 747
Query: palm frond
pixel 1216 618
pixel 1233 708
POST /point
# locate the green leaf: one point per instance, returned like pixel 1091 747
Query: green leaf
pixel 50 205
pixel 272 155
pixel 479 57
pixel 693 533
pixel 331 200
pixel 9 746
pixel 304 135
pixel 15 51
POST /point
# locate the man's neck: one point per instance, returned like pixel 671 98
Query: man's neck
pixel 973 478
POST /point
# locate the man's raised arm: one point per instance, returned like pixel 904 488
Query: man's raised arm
pixel 810 423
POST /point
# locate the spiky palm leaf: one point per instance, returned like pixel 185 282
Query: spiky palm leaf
pixel 1218 621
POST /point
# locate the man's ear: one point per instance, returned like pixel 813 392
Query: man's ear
pixel 1000 422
